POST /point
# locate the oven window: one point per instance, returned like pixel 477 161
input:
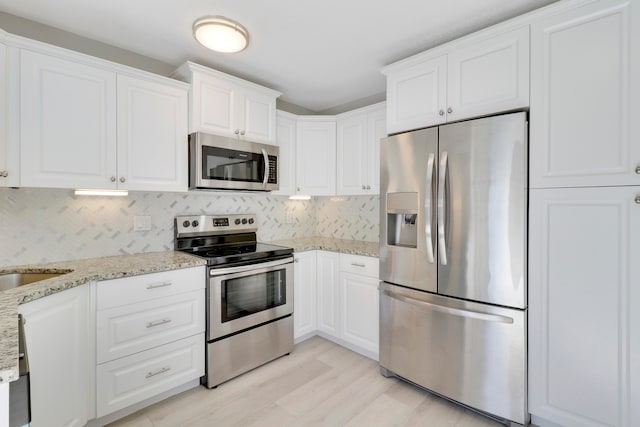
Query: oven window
pixel 232 165
pixel 247 295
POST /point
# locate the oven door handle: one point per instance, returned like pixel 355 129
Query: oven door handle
pixel 250 267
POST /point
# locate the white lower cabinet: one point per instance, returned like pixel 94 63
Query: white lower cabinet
pixel 345 302
pixel 304 295
pixel 59 347
pixel 584 294
pixel 128 380
pixel 149 336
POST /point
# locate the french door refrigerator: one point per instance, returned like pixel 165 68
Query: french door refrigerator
pixel 453 297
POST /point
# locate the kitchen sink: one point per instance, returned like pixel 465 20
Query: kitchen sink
pixel 13 280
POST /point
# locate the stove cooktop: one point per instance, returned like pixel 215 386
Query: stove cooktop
pixel 233 254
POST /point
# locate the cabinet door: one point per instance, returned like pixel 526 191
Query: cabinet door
pixel 67 123
pixel 213 107
pixel 352 155
pixel 304 285
pixel 583 296
pixel 416 96
pixel 57 340
pixel 328 296
pixel 256 117
pixel 4 163
pixel 360 310
pixel 585 97
pixel 152 135
pixel 486 77
pixel 376 130
pixel 286 142
pixel 316 157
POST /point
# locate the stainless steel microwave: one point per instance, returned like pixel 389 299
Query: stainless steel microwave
pixel 221 163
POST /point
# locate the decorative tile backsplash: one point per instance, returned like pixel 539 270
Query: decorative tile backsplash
pixel 42 225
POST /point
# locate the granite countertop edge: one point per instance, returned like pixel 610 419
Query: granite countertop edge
pixel 76 273
pixel 345 246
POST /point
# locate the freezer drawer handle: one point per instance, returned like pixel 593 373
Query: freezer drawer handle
pixel 428 202
pixel 442 202
pixel 449 310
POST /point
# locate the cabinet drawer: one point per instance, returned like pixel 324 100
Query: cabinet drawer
pixel 129 329
pixel 358 264
pixel 129 290
pixel 129 380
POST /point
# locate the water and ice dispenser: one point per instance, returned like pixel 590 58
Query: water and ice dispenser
pixel 402 219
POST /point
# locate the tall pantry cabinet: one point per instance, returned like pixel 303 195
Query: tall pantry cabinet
pixel 584 273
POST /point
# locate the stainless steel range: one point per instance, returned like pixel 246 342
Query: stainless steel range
pixel 249 293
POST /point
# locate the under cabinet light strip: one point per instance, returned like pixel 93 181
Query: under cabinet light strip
pixel 87 192
pixel 299 197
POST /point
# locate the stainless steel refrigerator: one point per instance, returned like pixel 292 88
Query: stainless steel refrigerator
pixel 453 297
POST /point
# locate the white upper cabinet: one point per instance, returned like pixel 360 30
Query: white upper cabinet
pixel 87 126
pixel 67 123
pixel 286 142
pixel 316 156
pixel 358 150
pixel 585 96
pixel 226 105
pixel 9 144
pixel 152 135
pixel 584 327
pixel 476 76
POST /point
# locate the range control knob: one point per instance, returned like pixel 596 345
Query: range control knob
pixel 195 223
pixel 251 221
pixel 186 224
pixel 237 221
pixel 244 220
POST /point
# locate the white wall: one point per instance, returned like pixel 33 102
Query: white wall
pixel 41 225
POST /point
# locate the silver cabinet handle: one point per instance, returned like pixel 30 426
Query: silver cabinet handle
pixel 266 166
pixel 122 179
pixel 442 220
pixel 242 132
pixel 296 260
pixel 363 187
pixel 113 179
pixel 159 285
pixel 368 187
pixel 441 112
pixel 4 174
pixel 449 110
pixel 297 188
pixel 637 170
pixel 358 264
pixel 449 310
pixel 638 200
pixel 158 372
pixel 428 206
pixel 158 323
pixel 237 131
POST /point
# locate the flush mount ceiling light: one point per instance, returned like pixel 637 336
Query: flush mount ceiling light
pixel 220 34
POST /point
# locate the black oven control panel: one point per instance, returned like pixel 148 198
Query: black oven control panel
pixel 213 224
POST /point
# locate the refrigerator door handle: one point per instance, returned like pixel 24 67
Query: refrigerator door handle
pixel 449 310
pixel 442 242
pixel 428 202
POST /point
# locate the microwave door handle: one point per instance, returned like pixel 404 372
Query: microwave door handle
pixel 266 167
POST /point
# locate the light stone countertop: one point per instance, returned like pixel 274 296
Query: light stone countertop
pixel 353 247
pixel 78 272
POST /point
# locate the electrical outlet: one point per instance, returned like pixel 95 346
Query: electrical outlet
pixel 141 223
pixel 289 218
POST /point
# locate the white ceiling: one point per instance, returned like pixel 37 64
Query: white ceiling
pixel 320 54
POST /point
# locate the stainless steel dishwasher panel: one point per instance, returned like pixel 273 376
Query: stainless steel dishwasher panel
pixel 472 353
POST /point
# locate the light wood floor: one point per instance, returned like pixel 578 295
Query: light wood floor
pixel 319 384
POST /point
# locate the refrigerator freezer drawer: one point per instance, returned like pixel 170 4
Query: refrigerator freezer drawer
pixel 470 352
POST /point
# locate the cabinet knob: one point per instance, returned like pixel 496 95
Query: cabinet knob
pixel 113 179
pixel 297 188
pixel 296 260
pixel 449 110
pixel 441 112
pixel 4 174
pixel 638 200
pixel 637 170
pixel 237 131
pixel 122 179
pixel 242 132
pixel 368 187
pixel 364 188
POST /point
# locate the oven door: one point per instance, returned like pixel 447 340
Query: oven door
pixel 246 296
